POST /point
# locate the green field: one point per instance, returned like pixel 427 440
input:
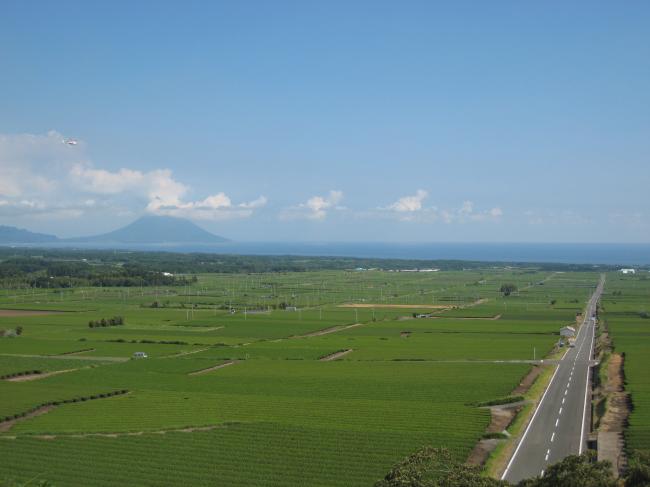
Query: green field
pixel 626 306
pixel 275 414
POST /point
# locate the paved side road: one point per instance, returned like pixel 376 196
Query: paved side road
pixel 559 426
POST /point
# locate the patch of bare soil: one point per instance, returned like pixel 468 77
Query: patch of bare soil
pixel 190 429
pixel 618 401
pixel 335 355
pixel 527 382
pixel 7 425
pixel 501 417
pixel 43 375
pixel 216 367
pixel 13 313
pixel 405 334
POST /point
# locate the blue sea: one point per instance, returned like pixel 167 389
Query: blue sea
pixel 570 253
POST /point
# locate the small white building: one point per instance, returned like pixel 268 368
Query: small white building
pixel 140 355
pixel 568 331
pixel 627 271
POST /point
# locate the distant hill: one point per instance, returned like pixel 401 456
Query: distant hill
pixel 155 230
pixel 13 235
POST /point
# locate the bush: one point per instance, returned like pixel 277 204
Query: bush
pixel 575 470
pixel 508 289
pixel 435 467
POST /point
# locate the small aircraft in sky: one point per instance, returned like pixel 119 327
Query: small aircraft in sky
pixel 70 141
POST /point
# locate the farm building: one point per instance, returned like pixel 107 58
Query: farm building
pixel 567 331
pixel 627 271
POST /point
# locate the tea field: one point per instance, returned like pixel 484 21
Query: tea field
pixel 626 306
pixel 238 387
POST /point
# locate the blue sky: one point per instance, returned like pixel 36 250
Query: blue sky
pixel 329 121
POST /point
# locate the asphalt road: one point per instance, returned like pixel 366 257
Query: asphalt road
pixel 560 424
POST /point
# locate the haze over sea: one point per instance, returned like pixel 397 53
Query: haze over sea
pixel 570 253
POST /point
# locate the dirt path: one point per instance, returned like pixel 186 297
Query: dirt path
pixel 68 357
pixel 216 367
pixel 611 443
pixel 14 313
pixel 28 377
pixel 327 331
pixel 76 352
pixel 335 355
pixel 400 306
pixel 190 429
pixel 182 354
pixel 7 425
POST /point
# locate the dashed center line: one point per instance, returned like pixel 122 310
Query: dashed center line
pixel 548 452
pixel 552 436
pixel 560 411
pixel 557 421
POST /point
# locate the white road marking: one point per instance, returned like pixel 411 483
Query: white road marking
pixel 532 420
pixel 563 399
pixel 557 421
pixel 552 436
pixel 547 454
pixel 560 411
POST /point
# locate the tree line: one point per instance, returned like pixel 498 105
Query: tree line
pixel 114 321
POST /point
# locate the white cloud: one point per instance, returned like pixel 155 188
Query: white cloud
pixel 410 203
pixel 411 208
pixel 315 208
pixel 215 207
pixel 43 174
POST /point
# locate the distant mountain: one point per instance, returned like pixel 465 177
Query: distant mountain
pixel 13 235
pixel 155 230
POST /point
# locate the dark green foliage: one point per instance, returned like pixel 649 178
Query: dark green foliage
pixel 114 321
pixel 435 467
pixel 638 470
pixel 575 471
pixel 508 289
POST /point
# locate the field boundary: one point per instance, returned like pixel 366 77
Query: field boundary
pixel 335 355
pixel 214 367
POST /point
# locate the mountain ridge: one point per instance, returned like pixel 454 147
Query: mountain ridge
pixel 154 229
pixel 146 230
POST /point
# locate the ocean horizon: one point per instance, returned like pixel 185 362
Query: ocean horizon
pixel 565 253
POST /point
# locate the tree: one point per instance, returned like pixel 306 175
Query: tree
pixel 575 471
pixel 638 470
pixel 435 467
pixel 508 289
pixel 19 330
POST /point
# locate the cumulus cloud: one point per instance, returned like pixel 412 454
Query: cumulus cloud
pixel 315 208
pixel 410 203
pixel 41 174
pixel 215 207
pixel 411 208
